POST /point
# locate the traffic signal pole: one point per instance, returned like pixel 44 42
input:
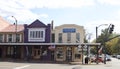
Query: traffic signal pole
pixel 109 31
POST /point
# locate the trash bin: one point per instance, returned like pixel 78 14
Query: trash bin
pixel 86 60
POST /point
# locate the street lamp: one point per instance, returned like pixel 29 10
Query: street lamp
pixel 109 31
pixel 97 37
pixel 97 30
pixel 15 37
pixel 15 28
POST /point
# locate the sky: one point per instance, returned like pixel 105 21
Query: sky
pixel 87 13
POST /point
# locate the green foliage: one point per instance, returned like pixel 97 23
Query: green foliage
pixel 93 50
pixel 85 40
pixel 112 46
pixel 116 46
pixel 103 37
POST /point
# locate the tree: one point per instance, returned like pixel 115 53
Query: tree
pixel 116 46
pixel 104 40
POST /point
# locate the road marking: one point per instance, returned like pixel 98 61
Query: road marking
pixel 21 67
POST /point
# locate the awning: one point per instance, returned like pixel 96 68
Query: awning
pixel 60 44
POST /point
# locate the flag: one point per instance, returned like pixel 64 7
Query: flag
pixel 52 47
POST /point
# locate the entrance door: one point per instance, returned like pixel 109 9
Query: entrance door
pixel 37 53
pixel 69 54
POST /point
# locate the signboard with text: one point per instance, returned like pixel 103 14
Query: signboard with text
pixel 69 30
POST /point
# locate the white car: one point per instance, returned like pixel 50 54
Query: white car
pixel 118 56
pixel 108 58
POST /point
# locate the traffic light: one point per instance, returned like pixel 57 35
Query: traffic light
pixel 111 29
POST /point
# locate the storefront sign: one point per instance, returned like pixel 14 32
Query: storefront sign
pixel 69 30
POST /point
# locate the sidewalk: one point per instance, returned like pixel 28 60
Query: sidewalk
pixel 80 63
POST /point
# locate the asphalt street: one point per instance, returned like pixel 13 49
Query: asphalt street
pixel 114 64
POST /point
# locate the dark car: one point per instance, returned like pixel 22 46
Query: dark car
pixel 114 55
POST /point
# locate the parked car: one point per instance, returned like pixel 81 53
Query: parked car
pixel 108 58
pixel 118 56
pixel 114 55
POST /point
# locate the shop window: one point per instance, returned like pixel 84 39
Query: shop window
pixel 77 53
pixel 60 53
pixel 77 56
pixel 9 52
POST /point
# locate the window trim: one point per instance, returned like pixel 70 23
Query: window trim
pixel 60 53
pixel 60 36
pixel 20 38
pixel 69 37
pixel 34 36
pixel 77 37
pixel 8 37
pixel 2 40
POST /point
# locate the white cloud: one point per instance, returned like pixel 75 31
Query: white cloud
pixel 55 3
pixel 21 9
pixel 111 2
pixel 10 8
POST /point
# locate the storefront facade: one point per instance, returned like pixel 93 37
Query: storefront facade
pixel 68 33
pixel 37 32
pixel 9 35
pixel 41 42
pixel 13 37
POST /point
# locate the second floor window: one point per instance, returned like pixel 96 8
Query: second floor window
pixel 10 39
pixel 69 37
pixel 1 38
pixel 37 34
pixel 60 37
pixel 77 37
pixel 18 38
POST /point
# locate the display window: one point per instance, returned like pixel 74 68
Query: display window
pixel 77 53
pixel 60 53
